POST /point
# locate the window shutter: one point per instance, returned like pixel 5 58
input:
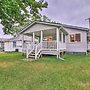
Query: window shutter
pixel 77 37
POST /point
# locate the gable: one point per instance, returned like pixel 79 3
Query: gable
pixel 38 27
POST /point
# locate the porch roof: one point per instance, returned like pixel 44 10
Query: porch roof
pixel 44 23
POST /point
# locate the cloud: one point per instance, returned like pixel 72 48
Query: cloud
pixel 68 11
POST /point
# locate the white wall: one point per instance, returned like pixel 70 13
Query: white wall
pixel 76 46
pixel 19 45
pixel 89 46
pixel 0 45
pixel 8 46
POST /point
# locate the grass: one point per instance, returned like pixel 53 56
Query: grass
pixel 47 73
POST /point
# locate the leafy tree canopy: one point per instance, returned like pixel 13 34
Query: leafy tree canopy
pixel 17 12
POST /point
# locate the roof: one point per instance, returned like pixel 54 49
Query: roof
pixel 76 27
pixel 17 38
pixel 54 24
pixel 3 39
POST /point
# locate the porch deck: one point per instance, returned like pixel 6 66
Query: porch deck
pixel 45 48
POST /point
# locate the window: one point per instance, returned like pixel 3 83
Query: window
pixel 88 38
pixel 63 38
pixel 72 38
pixel 14 43
pixel 75 38
pixel 60 36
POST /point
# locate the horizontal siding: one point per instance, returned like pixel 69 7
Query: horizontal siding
pixel 89 46
pixel 76 46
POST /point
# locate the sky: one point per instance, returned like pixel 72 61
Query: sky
pixel 72 12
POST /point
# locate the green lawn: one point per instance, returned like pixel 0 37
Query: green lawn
pixel 47 73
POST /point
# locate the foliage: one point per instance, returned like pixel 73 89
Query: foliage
pixel 14 12
pixel 47 73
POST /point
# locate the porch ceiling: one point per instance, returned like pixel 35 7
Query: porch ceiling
pixel 48 32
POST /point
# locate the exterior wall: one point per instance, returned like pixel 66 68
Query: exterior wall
pixel 89 41
pixel 19 45
pixel 76 46
pixel 8 46
pixel 88 46
pixel 38 27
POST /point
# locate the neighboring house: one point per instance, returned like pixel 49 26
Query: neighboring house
pixel 54 38
pixel 15 44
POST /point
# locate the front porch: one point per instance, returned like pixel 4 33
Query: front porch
pixel 46 41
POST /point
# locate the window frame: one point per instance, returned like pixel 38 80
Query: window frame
pixel 75 37
pixel 14 44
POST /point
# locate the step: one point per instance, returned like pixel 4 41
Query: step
pixel 31 56
pixel 33 52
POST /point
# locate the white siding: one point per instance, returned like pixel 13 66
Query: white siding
pixel 77 46
pixel 19 45
pixel 8 47
pixel 89 46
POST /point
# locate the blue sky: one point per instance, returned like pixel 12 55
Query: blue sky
pixel 72 12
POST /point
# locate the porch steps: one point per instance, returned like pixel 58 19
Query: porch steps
pixel 32 55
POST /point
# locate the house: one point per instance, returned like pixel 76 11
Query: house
pixel 54 38
pixel 15 43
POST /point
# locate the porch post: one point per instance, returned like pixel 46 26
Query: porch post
pixel 41 38
pixel 23 44
pixel 57 37
pixel 62 37
pixel 33 39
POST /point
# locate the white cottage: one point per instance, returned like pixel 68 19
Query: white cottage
pixel 53 38
pixel 15 44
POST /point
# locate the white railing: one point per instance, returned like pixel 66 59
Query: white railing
pixel 38 49
pixel 30 48
pixel 49 45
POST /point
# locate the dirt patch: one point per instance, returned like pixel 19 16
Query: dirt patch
pixel 85 85
pixel 86 70
pixel 6 64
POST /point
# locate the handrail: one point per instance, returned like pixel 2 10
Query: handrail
pixel 29 48
pixel 38 49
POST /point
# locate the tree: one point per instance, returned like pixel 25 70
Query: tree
pixel 14 12
pixel 45 18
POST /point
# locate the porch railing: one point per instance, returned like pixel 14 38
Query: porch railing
pixel 49 45
pixel 37 50
pixel 30 48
